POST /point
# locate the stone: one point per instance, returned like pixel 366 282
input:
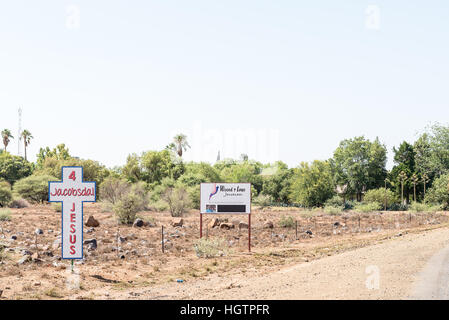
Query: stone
pixel 177 222
pixel 215 222
pixel 243 225
pixel 91 244
pixel 138 223
pixel 38 231
pixel 23 260
pixel 48 253
pixel 122 239
pixel 226 225
pixel 26 252
pixel 268 224
pixel 92 222
pixel 90 230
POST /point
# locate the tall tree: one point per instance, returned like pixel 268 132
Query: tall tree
pixel 404 159
pixel 360 164
pixel 414 179
pixel 402 178
pixel 180 143
pixel 6 136
pixel 26 136
pixel 312 184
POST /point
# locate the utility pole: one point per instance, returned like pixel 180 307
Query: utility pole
pixel 19 133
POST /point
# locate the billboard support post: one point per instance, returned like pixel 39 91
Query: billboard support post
pixel 201 225
pixel 249 232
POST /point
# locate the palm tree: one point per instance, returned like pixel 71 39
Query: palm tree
pixel 26 136
pixel 425 180
pixel 402 177
pixel 6 136
pixel 414 179
pixel 180 143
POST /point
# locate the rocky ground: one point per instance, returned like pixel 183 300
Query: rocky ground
pixel 124 261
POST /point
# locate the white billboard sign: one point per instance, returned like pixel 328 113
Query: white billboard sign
pixel 72 192
pixel 220 198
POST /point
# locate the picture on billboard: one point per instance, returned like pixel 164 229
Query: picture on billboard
pixel 226 198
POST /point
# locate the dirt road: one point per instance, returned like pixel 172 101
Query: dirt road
pixel 408 266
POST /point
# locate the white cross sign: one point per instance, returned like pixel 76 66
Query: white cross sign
pixel 72 191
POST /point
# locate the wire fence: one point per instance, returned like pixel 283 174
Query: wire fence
pixel 325 226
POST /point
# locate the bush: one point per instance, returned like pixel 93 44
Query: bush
pixel 195 196
pixel 379 195
pixel 349 205
pixel 422 207
pixel 398 207
pixel 262 200
pixel 333 210
pixel 287 222
pixel 367 207
pixel 178 201
pixel 19 204
pixel 33 188
pixel 439 192
pixel 159 206
pixel 5 215
pixel 5 194
pixel 335 201
pixel 127 208
pixel 208 248
pixel 113 189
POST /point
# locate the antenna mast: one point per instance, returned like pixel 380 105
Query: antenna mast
pixel 19 134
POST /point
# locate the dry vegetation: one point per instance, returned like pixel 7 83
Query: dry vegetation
pixel 131 257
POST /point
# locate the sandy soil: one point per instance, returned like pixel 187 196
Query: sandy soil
pixel 329 264
pixel 342 276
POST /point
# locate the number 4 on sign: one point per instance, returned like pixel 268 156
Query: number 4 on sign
pixel 72 192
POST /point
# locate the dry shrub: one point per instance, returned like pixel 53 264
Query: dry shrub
pixel 178 201
pixel 127 208
pixel 113 189
pixel 209 248
pixel 19 204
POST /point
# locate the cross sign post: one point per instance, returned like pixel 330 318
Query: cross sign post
pixel 72 192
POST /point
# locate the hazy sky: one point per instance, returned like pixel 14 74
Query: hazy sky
pixel 293 78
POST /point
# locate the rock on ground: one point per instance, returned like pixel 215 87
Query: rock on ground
pixel 92 222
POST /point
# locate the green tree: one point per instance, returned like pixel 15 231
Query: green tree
pixel 13 168
pixel 61 152
pixel 244 171
pixel 6 136
pixel 277 181
pixel 26 136
pixel 360 164
pixel 432 152
pixel 312 184
pixel 439 192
